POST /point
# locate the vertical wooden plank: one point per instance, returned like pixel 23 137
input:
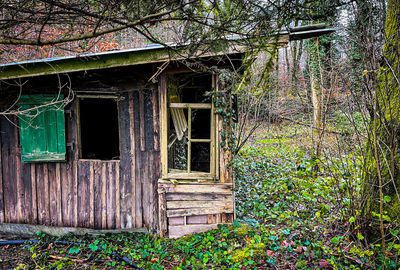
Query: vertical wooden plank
pixel 145 178
pixel 132 159
pixel 7 173
pixel 103 195
pixel 162 212
pixel 97 193
pixel 153 185
pixel 141 114
pixel 216 131
pixel 74 137
pixel 34 196
pixel 211 219
pixel 17 168
pixel 26 198
pixel 59 196
pixel 163 125
pixel 110 197
pixel 67 194
pixel 69 170
pixel 221 151
pixel 74 198
pixel 41 200
pixel 125 164
pixel 46 194
pixel 91 196
pixel 52 193
pixel 117 198
pixel 156 121
pixel 157 175
pixel 83 195
pixel 1 177
pixel 139 166
pixel 148 120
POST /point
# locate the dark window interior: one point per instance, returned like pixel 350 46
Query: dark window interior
pixel 194 87
pixel 99 129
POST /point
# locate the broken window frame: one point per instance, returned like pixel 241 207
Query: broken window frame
pixel 165 113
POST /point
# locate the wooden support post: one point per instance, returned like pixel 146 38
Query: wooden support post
pixel 141 116
pixel 162 212
pixel 117 198
pixel 164 125
pixel 133 213
pixel 91 199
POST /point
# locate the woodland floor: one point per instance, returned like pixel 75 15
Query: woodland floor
pixel 294 212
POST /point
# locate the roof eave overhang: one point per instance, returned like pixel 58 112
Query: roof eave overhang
pixel 103 61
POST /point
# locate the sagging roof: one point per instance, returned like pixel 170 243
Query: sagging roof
pixel 127 57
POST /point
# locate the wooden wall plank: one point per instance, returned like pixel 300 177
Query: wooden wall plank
pixel 34 196
pixel 8 184
pixel 156 120
pixel 46 194
pixel 175 221
pixel 163 124
pixel 67 194
pixel 83 195
pixel 178 231
pixel 139 165
pixel 110 191
pixel 59 192
pixel 162 213
pixel 27 207
pixel 148 120
pixel 197 219
pixel 18 177
pixel 1 178
pixel 125 173
pixel 91 195
pixel 69 170
pixel 73 138
pixel 142 122
pixel 52 193
pixel 198 204
pixel 197 196
pixel 41 197
pixel 75 187
pixel 197 188
pixel 8 165
pixel 103 195
pixel 132 157
pixel 147 195
pixel 198 211
pixel 117 198
pixel 98 185
pixel 156 174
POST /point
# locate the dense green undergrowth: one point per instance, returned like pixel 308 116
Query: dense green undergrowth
pixel 294 212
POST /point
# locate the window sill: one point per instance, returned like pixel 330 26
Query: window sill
pixel 102 160
pixel 190 181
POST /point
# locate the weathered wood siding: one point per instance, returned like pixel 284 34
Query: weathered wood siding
pixel 87 193
pixel 194 207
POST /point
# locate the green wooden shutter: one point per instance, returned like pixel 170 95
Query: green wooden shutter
pixel 42 129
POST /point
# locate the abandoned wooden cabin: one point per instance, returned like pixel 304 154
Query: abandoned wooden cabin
pixel 123 139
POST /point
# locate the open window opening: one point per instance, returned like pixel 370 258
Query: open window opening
pixel 99 134
pixel 191 124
